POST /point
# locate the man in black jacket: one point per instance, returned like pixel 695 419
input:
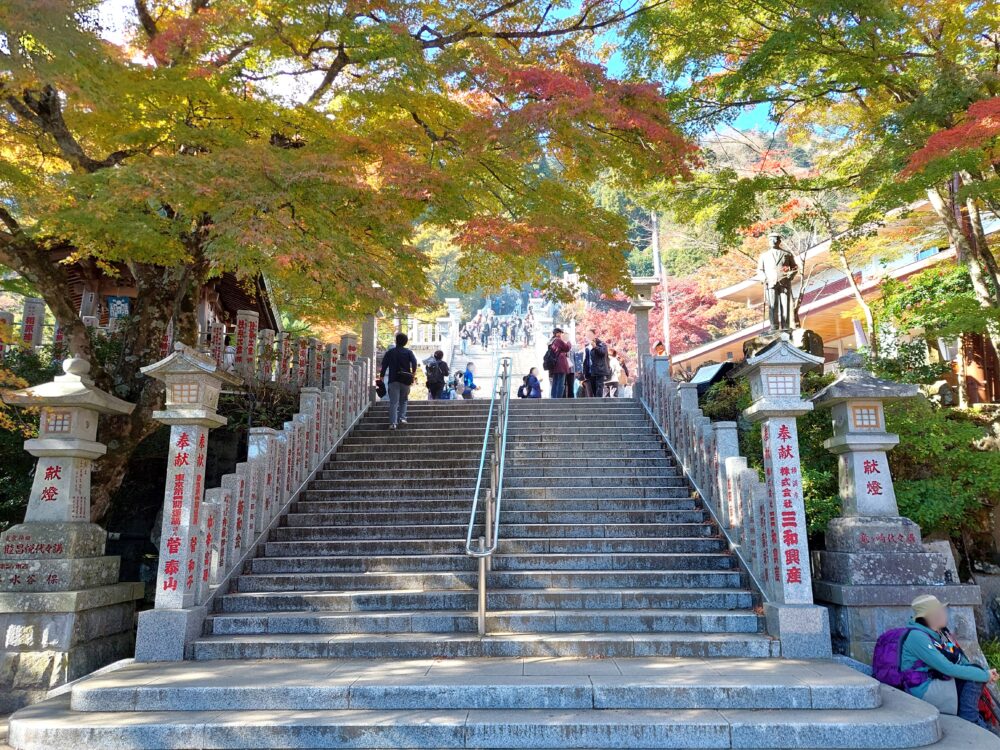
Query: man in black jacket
pixel 400 364
pixel 600 367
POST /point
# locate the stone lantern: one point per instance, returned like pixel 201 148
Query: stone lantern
pixel 193 383
pixel 783 549
pixel 641 304
pixel 62 610
pixel 860 440
pixel 875 563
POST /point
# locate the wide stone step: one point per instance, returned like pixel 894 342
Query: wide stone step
pixel 523 621
pixel 353 472
pixel 507 517
pixel 516 684
pixel 508 530
pixel 567 491
pixel 418 563
pixel 596 599
pixel 517 579
pixel 427 453
pixel 558 452
pixel 507 546
pixel 610 463
pixel 647 479
pixel 464 504
pixel 900 722
pixel 456 645
pixel 373 491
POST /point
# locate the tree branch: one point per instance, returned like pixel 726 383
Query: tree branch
pixel 44 111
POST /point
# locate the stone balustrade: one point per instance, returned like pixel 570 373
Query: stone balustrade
pixel 763 521
pixel 208 535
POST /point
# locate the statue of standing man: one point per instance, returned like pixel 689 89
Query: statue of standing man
pixel 777 268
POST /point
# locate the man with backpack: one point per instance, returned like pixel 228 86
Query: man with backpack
pixel 556 362
pixel 924 660
pixel 437 373
pixel 400 365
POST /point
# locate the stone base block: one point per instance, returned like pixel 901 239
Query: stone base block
pixel 881 568
pixel 865 534
pixel 27 676
pixel 50 638
pixel 803 629
pixel 48 539
pixel 860 614
pixel 44 575
pixel 164 633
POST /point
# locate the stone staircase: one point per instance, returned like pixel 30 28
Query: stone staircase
pixel 357 626
pixel 603 551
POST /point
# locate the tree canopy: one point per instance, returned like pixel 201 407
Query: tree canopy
pixel 173 140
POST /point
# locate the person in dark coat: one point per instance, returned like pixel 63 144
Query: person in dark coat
pixel 561 347
pixel 600 366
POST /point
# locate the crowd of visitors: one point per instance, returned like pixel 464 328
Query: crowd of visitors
pixel 593 370
pixel 491 331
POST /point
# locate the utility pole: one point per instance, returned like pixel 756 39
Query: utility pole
pixel 660 271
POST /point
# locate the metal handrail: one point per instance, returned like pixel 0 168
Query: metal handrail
pixel 487 544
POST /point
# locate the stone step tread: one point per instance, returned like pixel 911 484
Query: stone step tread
pixel 901 722
pixel 407 599
pixel 753 645
pixel 667 556
pixel 336 615
pixel 515 683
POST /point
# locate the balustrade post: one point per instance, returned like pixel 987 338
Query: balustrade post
pixel 193 382
pixel 263 448
pixel 225 497
pixel 245 357
pixel 284 359
pixel 265 355
pixel 775 386
pixel 235 486
pixel 301 362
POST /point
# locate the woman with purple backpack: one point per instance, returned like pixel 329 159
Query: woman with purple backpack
pixel 931 665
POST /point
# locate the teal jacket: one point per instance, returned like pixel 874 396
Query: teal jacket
pixel 925 645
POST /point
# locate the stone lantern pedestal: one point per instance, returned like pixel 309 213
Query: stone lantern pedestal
pixel 193 384
pixel 63 612
pixel 783 552
pixel 875 563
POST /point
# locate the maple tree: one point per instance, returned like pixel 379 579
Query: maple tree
pixel 306 142
pixel 903 94
pixel 695 316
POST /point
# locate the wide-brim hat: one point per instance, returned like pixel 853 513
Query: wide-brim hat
pixel 557 330
pixel 924 604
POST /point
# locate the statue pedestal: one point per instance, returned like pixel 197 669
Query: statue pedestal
pixel 801 338
pixel 63 612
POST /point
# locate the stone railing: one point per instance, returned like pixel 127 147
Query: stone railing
pixel 208 535
pixel 709 454
pixel 763 521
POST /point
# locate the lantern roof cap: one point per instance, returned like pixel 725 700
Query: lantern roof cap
pixel 781 351
pixel 855 382
pixel 186 361
pixel 74 388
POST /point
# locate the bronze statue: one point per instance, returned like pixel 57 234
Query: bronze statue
pixel 777 268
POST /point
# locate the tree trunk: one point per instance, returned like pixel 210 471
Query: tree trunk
pixel 963 245
pixel 161 294
pixel 862 303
